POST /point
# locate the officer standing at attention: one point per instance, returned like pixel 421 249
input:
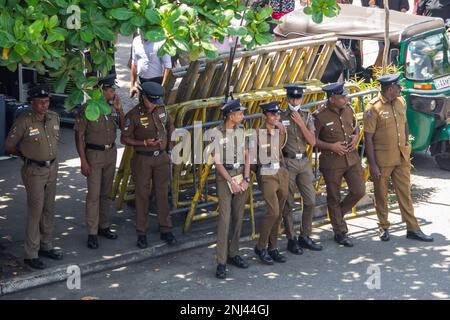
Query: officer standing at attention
pixel 273 180
pixel 95 141
pixel 300 131
pixel 148 128
pixel 337 136
pixel 231 202
pixel 388 151
pixel 34 136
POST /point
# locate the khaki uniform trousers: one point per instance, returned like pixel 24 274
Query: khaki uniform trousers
pixel 357 188
pixel 151 170
pixel 400 176
pixel 231 212
pixel 301 177
pixel 275 189
pixel 99 182
pixel 40 184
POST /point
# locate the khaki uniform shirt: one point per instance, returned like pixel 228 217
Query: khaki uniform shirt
pixel 101 131
pixel 141 124
pixel 387 122
pixel 296 142
pixel 36 139
pixel 225 143
pixel 333 125
pixel 266 146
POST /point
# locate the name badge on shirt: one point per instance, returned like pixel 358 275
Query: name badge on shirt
pixel 385 114
pixel 329 123
pixel 34 131
pixel 286 122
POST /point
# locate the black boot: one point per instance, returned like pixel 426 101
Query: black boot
pixel 221 271
pixel 107 233
pixel 51 254
pixel 264 256
pixel 277 256
pixel 35 263
pixel 344 240
pixel 419 235
pixel 142 242
pixel 308 243
pixel 169 238
pixel 92 242
pixel 384 235
pixel 293 247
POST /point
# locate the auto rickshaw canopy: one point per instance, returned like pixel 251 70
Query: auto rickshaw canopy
pixel 359 23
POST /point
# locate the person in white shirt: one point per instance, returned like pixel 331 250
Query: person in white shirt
pixel 146 65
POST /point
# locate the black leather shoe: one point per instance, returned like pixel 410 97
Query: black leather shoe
pixel 221 271
pixel 264 256
pixel 419 235
pixel 344 240
pixel 384 235
pixel 92 242
pixel 293 247
pixel 51 254
pixel 168 237
pixel 107 233
pixel 142 242
pixel 277 256
pixel 308 243
pixel 35 263
pixel 238 262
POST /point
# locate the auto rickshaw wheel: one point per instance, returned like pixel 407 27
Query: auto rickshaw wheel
pixel 443 160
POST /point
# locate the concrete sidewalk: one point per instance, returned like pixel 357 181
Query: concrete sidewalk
pixel 70 233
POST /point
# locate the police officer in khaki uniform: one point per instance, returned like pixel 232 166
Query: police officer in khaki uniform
pixel 273 180
pixel 232 192
pixel 337 136
pixel 148 128
pixel 388 151
pixel 95 141
pixel 34 136
pixel 300 132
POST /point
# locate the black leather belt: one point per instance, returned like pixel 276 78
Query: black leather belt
pixel 100 147
pixel 289 155
pixel 47 163
pixel 233 166
pixel 150 153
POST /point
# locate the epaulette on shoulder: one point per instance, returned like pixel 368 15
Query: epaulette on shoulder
pixel 320 109
pixel 374 100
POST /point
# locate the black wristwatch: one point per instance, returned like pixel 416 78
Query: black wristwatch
pixel 247 179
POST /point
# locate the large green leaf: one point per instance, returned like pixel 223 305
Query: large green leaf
pixel 155 35
pixel 21 48
pixel 103 32
pixel 121 13
pixel 6 39
pixel 87 35
pixel 152 16
pixel 127 28
pixel 104 107
pixel 36 27
pixel 61 83
pixel 54 36
pixel 92 110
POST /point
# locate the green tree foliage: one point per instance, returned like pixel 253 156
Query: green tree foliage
pixel 46 35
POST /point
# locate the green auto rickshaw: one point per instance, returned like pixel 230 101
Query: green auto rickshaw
pixel 419 46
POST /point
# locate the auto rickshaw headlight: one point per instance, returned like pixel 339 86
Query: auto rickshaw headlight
pixel 433 105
